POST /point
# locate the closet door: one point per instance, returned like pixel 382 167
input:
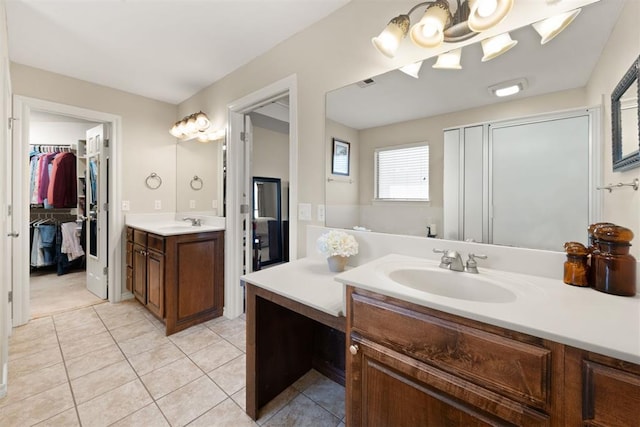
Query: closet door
pixel 96 207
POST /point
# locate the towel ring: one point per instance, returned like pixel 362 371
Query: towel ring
pixel 194 183
pixel 151 179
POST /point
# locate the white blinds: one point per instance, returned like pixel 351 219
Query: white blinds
pixel 403 173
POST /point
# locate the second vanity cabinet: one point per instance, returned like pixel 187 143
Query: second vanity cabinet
pixel 178 278
pixel 410 365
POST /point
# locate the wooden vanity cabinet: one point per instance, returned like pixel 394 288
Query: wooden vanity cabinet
pixel 408 365
pixel 180 278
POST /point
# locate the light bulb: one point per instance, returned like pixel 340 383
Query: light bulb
pixel 202 121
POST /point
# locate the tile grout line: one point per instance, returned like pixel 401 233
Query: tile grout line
pixel 66 371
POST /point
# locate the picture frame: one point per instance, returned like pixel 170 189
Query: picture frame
pixel 341 157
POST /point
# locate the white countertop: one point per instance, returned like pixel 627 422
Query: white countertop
pixel 546 308
pixel 307 281
pixel 172 224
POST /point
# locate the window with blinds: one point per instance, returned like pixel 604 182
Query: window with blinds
pixel 402 173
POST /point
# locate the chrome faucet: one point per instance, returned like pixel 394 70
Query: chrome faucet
pixel 450 259
pixel 194 221
pixel 472 265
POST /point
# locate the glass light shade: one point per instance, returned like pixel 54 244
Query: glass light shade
pixel 203 138
pixel 552 26
pixel 496 46
pixel 175 130
pixel 429 31
pixel 412 69
pixel 202 121
pixel 485 14
pixel 182 127
pixel 449 60
pixel 389 39
pixel 191 126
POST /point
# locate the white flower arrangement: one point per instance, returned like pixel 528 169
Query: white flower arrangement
pixel 337 242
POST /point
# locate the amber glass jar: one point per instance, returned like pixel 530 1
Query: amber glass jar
pixel 575 267
pixel 615 267
pixel 594 252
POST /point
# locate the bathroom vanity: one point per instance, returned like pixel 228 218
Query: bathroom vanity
pixel 530 360
pixel 177 272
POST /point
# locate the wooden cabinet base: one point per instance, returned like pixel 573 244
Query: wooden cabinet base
pixel 180 279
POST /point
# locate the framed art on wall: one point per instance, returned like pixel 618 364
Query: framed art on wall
pixel 340 158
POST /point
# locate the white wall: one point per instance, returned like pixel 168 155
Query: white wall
pixel 271 160
pixel 146 143
pixel 621 206
pixel 58 133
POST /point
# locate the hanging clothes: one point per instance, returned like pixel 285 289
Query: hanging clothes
pixel 62 190
pixel 70 241
pixel 43 248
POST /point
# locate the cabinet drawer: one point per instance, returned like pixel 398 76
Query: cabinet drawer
pixel 140 237
pixel 129 234
pixel 518 370
pixel 155 242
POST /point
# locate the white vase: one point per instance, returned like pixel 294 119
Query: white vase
pixel 337 263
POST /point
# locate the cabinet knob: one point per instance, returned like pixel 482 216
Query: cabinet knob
pixel 353 349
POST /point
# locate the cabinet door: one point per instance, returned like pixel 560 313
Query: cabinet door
pixel 155 283
pixel 140 273
pixel 385 388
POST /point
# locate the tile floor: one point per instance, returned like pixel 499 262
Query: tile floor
pixel 51 294
pixel 111 364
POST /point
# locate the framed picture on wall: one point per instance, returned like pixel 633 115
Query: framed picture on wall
pixel 340 158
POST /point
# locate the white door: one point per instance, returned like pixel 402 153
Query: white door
pixel 96 205
pixel 246 196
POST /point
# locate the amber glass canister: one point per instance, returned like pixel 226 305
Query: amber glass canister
pixel 594 251
pixel 615 267
pixel 575 267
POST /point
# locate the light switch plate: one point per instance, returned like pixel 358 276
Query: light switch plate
pixel 321 213
pixel 157 204
pixel 304 211
pixel 214 204
pixel 192 204
pixel 126 205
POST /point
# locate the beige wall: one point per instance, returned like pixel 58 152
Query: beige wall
pixel 341 194
pixel 271 160
pixel 621 206
pixel 146 143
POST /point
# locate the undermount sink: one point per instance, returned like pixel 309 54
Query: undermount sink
pixel 451 284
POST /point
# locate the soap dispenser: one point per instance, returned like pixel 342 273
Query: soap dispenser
pixel 615 267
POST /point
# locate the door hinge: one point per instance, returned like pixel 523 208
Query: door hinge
pixel 106 143
pixel 243 136
pixel 9 210
pixel 105 207
pixel 105 270
pixel 10 121
pixel 244 209
pixel 10 296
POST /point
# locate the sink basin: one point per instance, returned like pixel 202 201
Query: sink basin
pixel 451 284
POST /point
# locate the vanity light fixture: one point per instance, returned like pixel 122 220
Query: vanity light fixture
pixel 552 26
pixel 412 69
pixel 439 24
pixel 196 125
pixel 508 88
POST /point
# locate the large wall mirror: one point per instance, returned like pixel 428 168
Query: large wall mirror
pixel 199 177
pixel 395 108
pixel 625 120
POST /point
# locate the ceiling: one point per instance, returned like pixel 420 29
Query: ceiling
pixel 166 50
pixel 564 63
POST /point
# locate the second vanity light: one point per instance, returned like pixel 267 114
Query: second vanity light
pixel 196 125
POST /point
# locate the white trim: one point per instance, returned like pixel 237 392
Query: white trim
pixel 233 295
pixel 22 109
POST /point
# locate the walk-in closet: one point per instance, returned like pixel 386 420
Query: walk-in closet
pixel 58 175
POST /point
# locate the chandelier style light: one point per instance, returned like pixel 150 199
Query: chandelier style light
pixel 196 125
pixel 439 24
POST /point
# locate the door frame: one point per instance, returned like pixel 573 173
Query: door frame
pixel 22 107
pixel 236 178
